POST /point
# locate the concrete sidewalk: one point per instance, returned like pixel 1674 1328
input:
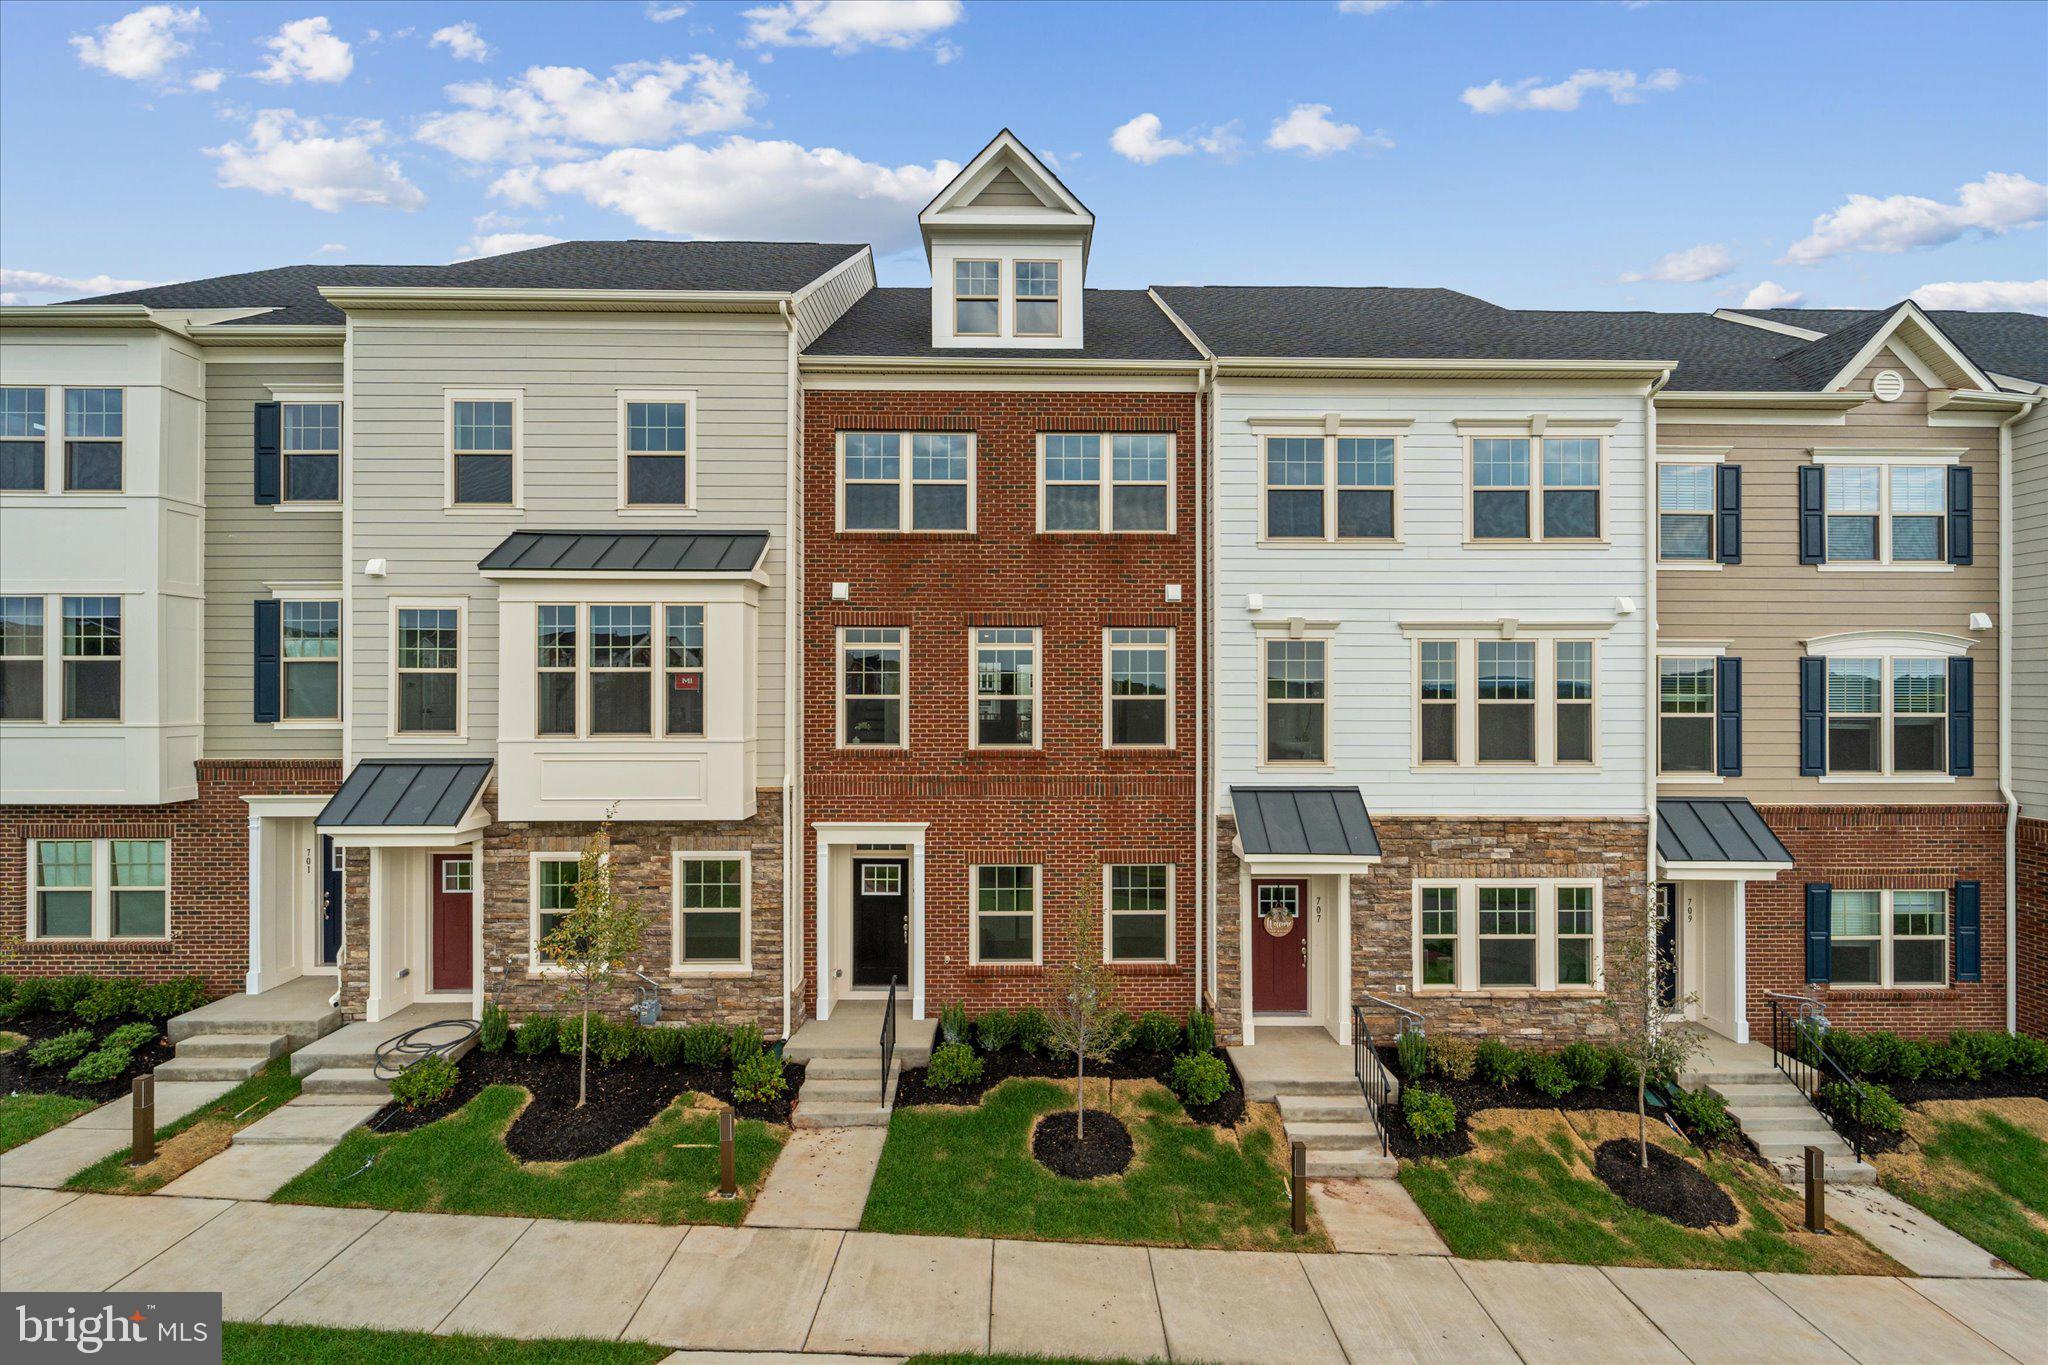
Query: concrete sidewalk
pixel 761 1289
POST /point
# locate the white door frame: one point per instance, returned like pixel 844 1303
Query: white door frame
pixel 258 979
pixel 1327 1007
pixel 1738 929
pixel 834 834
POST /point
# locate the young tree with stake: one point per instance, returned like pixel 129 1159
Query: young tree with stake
pixel 1656 1048
pixel 1083 1017
pixel 593 941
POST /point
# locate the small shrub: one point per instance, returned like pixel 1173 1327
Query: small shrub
pixel 705 1044
pixel 425 1081
pixel 1199 1078
pixel 1033 1029
pixel 1893 1059
pixel 662 1045
pixel 61 1049
pixel 6 989
pixel 1871 1105
pixel 953 1064
pixel 494 1030
pixel 1994 1053
pixel 535 1035
pixel 1452 1059
pixel 1201 1032
pixel 995 1030
pixel 100 1067
pixel 1704 1114
pixel 31 996
pixel 1853 1052
pixel 1953 1061
pixel 2030 1056
pixel 1428 1113
pixel 1548 1073
pixel 759 1079
pixel 569 1033
pixel 167 998
pixel 109 1000
pixel 1588 1064
pixel 1411 1052
pixel 612 1040
pixel 1621 1068
pixel 953 1022
pixel 131 1037
pixel 1496 1063
pixel 66 992
pixel 744 1042
pixel 1155 1032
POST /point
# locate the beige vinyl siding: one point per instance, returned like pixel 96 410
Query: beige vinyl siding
pixel 1767 607
pixel 1006 191
pixel 2030 612
pixel 839 291
pixel 569 369
pixel 248 548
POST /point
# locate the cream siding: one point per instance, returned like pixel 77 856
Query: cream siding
pixel 2030 612
pixel 831 296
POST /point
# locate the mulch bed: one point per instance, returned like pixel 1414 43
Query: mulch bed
pixel 623 1099
pixel 1408 1147
pixel 1990 1088
pixel 1471 1096
pixel 1104 1147
pixel 18 1077
pixel 1128 1065
pixel 1671 1188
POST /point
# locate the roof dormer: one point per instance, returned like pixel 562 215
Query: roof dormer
pixel 1008 247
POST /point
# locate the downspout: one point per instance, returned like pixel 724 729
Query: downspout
pixel 2005 791
pixel 792 666
pixel 1650 669
pixel 1203 839
pixel 1205 967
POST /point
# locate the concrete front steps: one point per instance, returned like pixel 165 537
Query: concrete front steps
pixel 344 1085
pixel 843 1064
pixel 1776 1115
pixel 1331 1120
pixel 234 1037
pixel 221 1056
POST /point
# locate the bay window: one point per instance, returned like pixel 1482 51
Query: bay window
pixel 24 437
pixel 92 658
pixel 621 670
pixel 22 650
pixel 555 655
pixel 685 671
pixel 605 655
pixel 93 436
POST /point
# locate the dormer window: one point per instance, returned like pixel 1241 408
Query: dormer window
pixel 1038 298
pixel 977 286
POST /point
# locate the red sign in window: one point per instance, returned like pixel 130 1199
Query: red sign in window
pixel 686 682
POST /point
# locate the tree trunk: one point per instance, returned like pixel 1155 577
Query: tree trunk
pixel 583 1062
pixel 1080 1093
pixel 1642 1123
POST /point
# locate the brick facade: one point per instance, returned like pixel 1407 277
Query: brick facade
pixel 1855 848
pixel 1071 806
pixel 209 874
pixel 2032 966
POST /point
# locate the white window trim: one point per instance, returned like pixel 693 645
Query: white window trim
pixel 53 444
pixel 677 965
pixel 517 398
pixel 1059 297
pixel 840 740
pixel 1536 486
pixel 1468 889
pixel 62 424
pixel 53 640
pixel 1328 638
pixel 1886 772
pixel 974 913
pixel 1546 641
pixel 1713 713
pixel 43 657
pixel 688 506
pixel 1711 461
pixel 1329 537
pixel 102 890
pixel 1172 689
pixel 905 503
pixel 1106 484
pixel 1109 919
pixel 535 964
pixel 1885 463
pixel 657 664
pixel 1036 695
pixel 995 298
pixel 301 398
pixel 1887 970
pixel 392 733
pixel 285 595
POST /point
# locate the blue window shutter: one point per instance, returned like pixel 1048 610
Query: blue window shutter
pixel 1962 717
pixel 1961 516
pixel 1969 915
pixel 1728 513
pixel 1813 717
pixel 269 453
pixel 1813 514
pixel 1820 909
pixel 269 628
pixel 1728 706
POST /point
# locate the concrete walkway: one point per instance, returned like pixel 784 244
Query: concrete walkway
pixel 758 1289
pixel 48 1161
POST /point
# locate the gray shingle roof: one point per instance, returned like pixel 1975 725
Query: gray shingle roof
pixel 1116 324
pixel 2013 344
pixel 627 552
pixel 1817 362
pixel 406 793
pixel 1311 822
pixel 1698 829
pixel 293 291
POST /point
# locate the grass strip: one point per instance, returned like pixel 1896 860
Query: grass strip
pixel 248 1343
pixel 203 1133
pixel 31 1115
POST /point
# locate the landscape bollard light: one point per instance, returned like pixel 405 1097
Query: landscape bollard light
pixel 1300 1168
pixel 1816 1191
pixel 728 1187
pixel 142 1106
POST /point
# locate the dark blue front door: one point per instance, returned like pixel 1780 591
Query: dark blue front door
pixel 330 902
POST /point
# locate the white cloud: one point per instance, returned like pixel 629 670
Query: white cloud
pixel 332 249
pixel 141 45
pixel 463 42
pixel 1707 261
pixel 207 81
pixel 1309 129
pixel 849 25
pixel 1770 294
pixel 665 14
pixel 561 111
pixel 305 49
pixel 288 155
pixel 1366 6
pixel 498 243
pixel 1623 87
pixel 1994 206
pixel 1139 140
pixel 20 285
pixel 744 188
pixel 1985 296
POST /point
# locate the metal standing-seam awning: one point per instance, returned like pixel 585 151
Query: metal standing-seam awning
pixel 387 800
pixel 1301 824
pixel 1716 835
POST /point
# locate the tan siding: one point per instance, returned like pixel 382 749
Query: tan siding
pixel 1767 607
pixel 1006 191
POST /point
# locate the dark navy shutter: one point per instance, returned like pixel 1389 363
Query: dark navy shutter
pixel 1813 717
pixel 1962 717
pixel 1728 513
pixel 269 457
pixel 1961 516
pixel 269 626
pixel 1813 514
pixel 1820 909
pixel 1728 706
pixel 1969 911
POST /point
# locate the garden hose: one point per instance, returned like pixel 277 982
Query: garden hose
pixel 407 1050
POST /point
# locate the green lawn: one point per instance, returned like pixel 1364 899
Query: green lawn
pixel 969 1172
pixel 28 1116
pixel 203 1133
pixel 1981 1168
pixel 1527 1192
pixel 667 1174
pixel 252 1344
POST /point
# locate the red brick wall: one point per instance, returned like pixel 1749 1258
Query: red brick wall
pixel 209 856
pixel 1070 807
pixel 1856 848
pixel 2033 927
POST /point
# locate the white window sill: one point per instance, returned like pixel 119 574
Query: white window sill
pixel 643 510
pixel 1137 962
pixel 1923 986
pixel 304 508
pixel 1323 543
pixel 872 748
pixel 1689 780
pixel 709 969
pixel 437 738
pixel 907 531
pixel 495 510
pixel 1296 767
pixel 1510 992
pixel 110 938
pixel 1689 566
pixel 1555 543
pixel 305 725
pixel 1863 566
pixel 1887 779
pixel 1468 769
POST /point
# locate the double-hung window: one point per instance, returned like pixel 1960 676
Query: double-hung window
pixel 1571 488
pixel 881 491
pixel 1685 715
pixel 1572 676
pixel 1006 914
pixel 1526 700
pixel 100 888
pixel 310 658
pixel 684 670
pixel 429 666
pixel 554 896
pixel 1507 936
pixel 1094 482
pixel 1483 935
pixel 654 438
pixel 483 451
pixel 311 448
pixel 1303 501
pixel 1575 936
pixel 1140 913
pixel 1006 676
pixel 1685 513
pixel 622 669
pixel 24 437
pixel 1507 701
pixel 1887 715
pixel 555 655
pixel 22 649
pixel 712 893
pixel 1038 298
pixel 1504 488
pixel 977 297
pixel 1138 672
pixel 92 658
pixel 1500 488
pixel 93 434
pixel 1438 927
pixel 1437 698
pixel 871 697
pixel 1888 938
pixel 1892 513
pixel 1296 709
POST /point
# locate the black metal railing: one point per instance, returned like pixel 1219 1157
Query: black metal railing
pixel 888 1040
pixel 1799 1033
pixel 1375 1082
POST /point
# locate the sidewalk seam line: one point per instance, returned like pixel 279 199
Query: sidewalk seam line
pixel 1484 1311
pixel 382 1214
pixel 648 1293
pixel 1152 1272
pixel 1322 1308
pixel 824 1289
pixel 1943 1310
pixel 178 1241
pixel 464 1295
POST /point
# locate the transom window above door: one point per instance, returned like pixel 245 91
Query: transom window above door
pixel 1319 488
pixel 932 490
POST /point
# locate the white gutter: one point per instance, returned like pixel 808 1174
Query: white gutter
pixel 2005 791
pixel 1650 675
pixel 792 665
pixel 1205 838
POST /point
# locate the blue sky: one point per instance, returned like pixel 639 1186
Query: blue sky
pixel 1669 156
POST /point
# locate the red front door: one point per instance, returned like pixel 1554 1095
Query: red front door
pixel 454 905
pixel 1280 961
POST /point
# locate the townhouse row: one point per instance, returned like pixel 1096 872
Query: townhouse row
pixel 1290 648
